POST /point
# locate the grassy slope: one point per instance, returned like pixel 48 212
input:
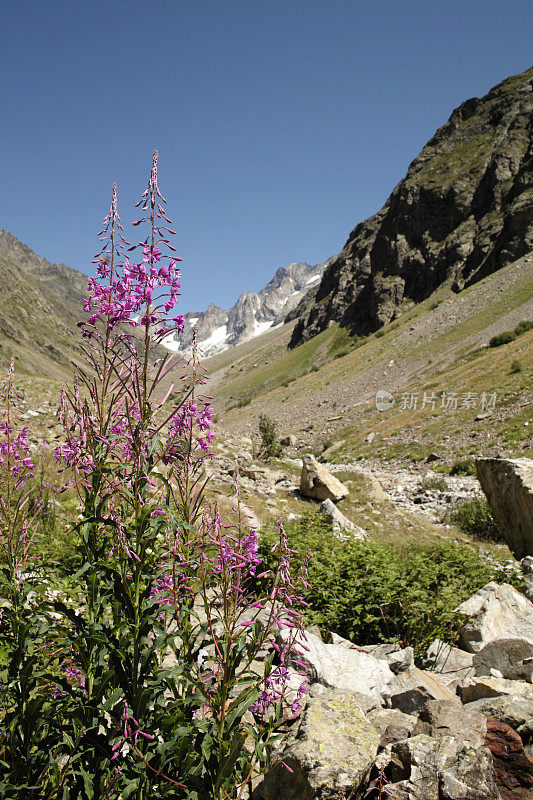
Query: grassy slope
pixel 435 346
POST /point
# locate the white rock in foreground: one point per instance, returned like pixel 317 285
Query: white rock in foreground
pixel 338 667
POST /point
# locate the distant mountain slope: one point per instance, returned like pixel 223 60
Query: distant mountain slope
pixel 40 306
pixel 252 314
pixel 464 210
pixel 325 390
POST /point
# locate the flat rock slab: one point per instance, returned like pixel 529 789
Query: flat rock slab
pixel 332 755
pixel 508 485
pixel 341 668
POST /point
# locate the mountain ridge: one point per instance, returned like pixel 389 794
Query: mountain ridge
pixel 39 313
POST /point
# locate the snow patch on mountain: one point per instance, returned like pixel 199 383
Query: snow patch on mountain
pixel 254 313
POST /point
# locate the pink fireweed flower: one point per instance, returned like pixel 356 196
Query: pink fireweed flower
pixel 130 733
pixel 14 442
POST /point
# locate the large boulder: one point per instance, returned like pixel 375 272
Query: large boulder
pixel 512 657
pixel 331 756
pixel 342 668
pixel 495 611
pixel 508 485
pixel 513 767
pixel 318 483
pixel 444 768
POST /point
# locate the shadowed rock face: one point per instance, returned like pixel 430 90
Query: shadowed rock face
pixel 464 209
pixel 508 485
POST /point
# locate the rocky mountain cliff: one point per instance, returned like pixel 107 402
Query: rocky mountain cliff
pixel 252 314
pixel 464 209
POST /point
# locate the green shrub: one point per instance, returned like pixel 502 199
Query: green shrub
pixel 270 446
pixel 510 336
pixel 370 592
pixel 435 482
pixel 379 334
pixel 463 466
pixel 343 352
pixel 502 338
pixel 516 367
pixel 475 517
pixel 243 401
pixel 523 327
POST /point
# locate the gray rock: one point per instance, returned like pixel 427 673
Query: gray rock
pixel 332 755
pixel 339 522
pixel 452 665
pixel 495 611
pixel 507 655
pixel 450 718
pixel 508 485
pixel 318 483
pixel 392 724
pixel 410 690
pixel 425 768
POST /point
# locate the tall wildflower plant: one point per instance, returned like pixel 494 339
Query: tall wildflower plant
pixel 30 734
pixel 171 677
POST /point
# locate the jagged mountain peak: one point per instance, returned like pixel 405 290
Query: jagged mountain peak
pixel 252 314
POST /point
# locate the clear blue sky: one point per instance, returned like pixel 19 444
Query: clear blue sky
pixel 280 123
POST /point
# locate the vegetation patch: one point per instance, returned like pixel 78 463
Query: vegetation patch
pixel 510 336
pixel 372 592
pixel 475 518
